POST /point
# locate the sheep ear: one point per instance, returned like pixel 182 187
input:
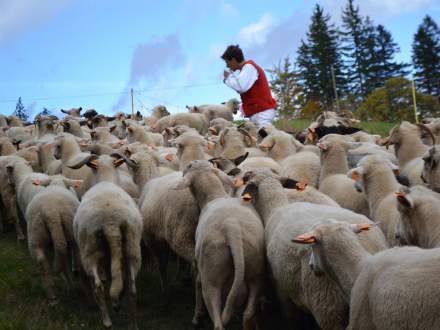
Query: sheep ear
pixel 118 162
pixel 240 159
pixel 262 133
pixel 41 182
pixel 224 178
pixel 250 192
pixel 289 183
pixel 403 180
pixel 72 183
pixel 235 171
pixel 64 111
pixel 358 227
pixel 307 238
pixel 404 199
pixel 82 159
pixel 355 174
pixel 112 128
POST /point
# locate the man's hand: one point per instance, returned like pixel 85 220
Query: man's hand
pixel 225 74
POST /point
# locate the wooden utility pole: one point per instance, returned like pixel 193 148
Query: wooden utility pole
pixel 132 104
pixel 335 89
pixel 414 101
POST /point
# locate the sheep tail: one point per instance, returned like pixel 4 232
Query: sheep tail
pixel 56 231
pixel 114 237
pixel 235 242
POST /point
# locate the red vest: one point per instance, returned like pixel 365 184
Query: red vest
pixel 258 98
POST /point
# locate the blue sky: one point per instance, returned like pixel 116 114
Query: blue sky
pixel 66 53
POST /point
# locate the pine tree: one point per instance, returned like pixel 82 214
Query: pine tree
pixel 317 56
pixel 284 84
pixel 426 57
pixel 379 59
pixel 353 38
pixel 20 111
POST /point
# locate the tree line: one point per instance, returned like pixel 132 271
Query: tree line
pixel 353 67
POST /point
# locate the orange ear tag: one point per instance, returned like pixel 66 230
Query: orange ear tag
pixel 355 176
pixel 301 186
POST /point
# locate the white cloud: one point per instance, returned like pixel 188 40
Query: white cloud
pixel 256 33
pixel 18 16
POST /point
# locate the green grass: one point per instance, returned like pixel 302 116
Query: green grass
pixel 297 125
pixel 23 303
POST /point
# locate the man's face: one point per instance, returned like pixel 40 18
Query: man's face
pixel 232 64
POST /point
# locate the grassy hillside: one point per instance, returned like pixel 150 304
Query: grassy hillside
pixel 23 303
pixel 370 127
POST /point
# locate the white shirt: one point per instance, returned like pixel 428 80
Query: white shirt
pixel 242 80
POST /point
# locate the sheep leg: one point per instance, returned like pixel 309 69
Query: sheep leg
pixel 199 310
pixel 161 252
pixel 212 297
pixel 16 218
pixel 48 283
pixel 132 296
pixel 250 321
pixel 99 291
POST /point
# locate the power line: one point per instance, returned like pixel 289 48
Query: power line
pixel 64 97
pixel 115 93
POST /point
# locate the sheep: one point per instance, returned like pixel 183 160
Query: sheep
pixel 21 176
pixel 168 228
pixel 173 228
pixel 218 124
pixel 393 289
pixel 419 217
pixel 434 127
pixel 333 180
pixel 409 149
pixel 67 150
pixel 212 111
pixel 74 127
pixel 8 197
pixel 283 147
pixel 194 120
pixel 143 165
pixel 233 142
pixel 137 133
pixel 6 147
pixel 376 177
pixel 47 161
pixel 45 126
pixel 74 112
pixel 53 225
pixel 173 132
pixel 229 243
pixel 295 285
pixel 190 147
pixel 430 173
pixel 103 135
pixel 279 145
pixel 3 121
pixel 158 112
pixel 108 226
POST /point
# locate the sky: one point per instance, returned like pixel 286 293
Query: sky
pixel 61 54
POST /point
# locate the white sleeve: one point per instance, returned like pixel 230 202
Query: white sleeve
pixel 244 80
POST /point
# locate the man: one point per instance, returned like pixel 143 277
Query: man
pixel 249 80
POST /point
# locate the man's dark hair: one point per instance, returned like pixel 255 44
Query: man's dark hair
pixel 233 51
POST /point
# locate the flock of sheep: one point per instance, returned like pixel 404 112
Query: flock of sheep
pixel 314 222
